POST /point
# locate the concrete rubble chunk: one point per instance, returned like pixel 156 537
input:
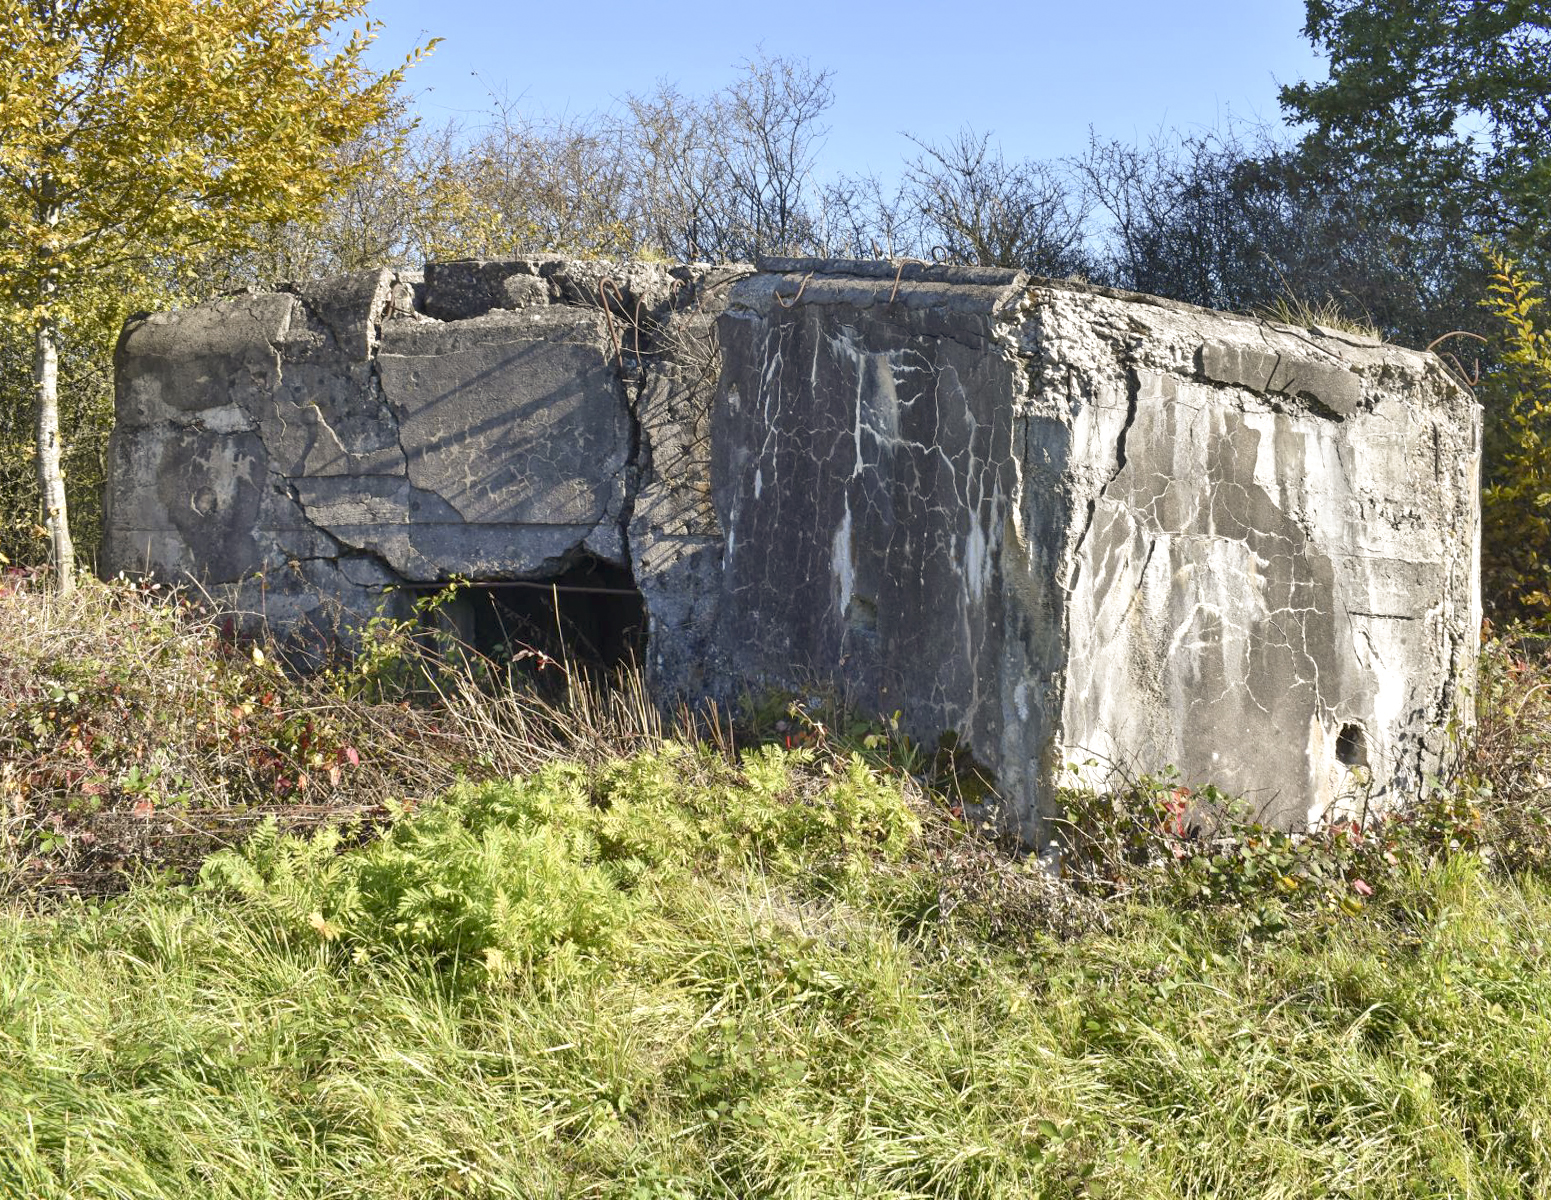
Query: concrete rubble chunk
pixel 1087 533
pixel 472 287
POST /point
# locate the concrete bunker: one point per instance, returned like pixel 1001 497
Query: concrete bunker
pixel 1074 528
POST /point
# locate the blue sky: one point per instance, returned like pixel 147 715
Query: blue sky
pixel 1038 73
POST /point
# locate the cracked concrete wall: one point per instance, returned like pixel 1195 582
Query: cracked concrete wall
pixel 1086 531
pixel 1096 533
pixel 306 450
pixel 865 473
pixel 1275 582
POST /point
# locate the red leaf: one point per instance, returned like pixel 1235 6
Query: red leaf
pixel 1361 888
pixel 143 808
pixel 353 756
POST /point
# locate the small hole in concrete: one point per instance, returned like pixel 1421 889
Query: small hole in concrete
pixel 590 615
pixel 862 614
pixel 1352 746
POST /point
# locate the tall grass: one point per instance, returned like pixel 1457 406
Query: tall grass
pixel 747 1031
pixel 1328 313
pixel 616 961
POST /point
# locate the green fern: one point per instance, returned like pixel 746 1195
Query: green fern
pixel 513 874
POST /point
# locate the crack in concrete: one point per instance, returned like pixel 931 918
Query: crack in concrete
pixel 1133 394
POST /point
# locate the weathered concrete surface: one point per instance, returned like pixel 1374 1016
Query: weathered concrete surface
pixel 865 473
pixel 1096 533
pixel 1085 531
pixel 314 447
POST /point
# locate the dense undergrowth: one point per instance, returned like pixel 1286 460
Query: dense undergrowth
pixel 557 950
pixel 139 731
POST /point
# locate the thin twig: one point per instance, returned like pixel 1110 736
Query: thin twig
pixel 801 288
pixel 899 270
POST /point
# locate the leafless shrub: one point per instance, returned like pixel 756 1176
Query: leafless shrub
pixel 681 174
pixel 862 217
pixel 982 209
pixel 728 178
pixel 561 185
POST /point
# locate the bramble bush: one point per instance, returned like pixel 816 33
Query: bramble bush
pixel 138 731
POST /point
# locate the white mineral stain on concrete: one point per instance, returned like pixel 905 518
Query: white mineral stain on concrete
pixel 977 565
pixel 840 559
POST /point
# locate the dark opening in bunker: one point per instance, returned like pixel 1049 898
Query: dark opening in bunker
pixel 591 615
pixel 1352 746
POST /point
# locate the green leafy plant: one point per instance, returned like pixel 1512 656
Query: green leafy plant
pixel 501 897
pixel 1516 501
pixel 509 874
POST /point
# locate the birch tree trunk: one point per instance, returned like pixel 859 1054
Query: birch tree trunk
pixel 45 380
pixel 51 475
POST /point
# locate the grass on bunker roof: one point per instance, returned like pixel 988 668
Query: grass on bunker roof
pixel 610 961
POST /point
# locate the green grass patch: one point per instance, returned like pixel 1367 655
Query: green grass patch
pixel 415 932
pixel 670 975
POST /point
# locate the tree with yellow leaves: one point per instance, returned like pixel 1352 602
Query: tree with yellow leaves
pixel 138 134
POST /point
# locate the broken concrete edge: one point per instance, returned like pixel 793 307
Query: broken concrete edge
pixel 914 270
pixel 1310 365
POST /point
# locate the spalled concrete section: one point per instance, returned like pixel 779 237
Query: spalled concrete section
pixel 1085 531
pixel 1095 533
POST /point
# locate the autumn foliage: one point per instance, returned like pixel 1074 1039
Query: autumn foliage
pixel 136 135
